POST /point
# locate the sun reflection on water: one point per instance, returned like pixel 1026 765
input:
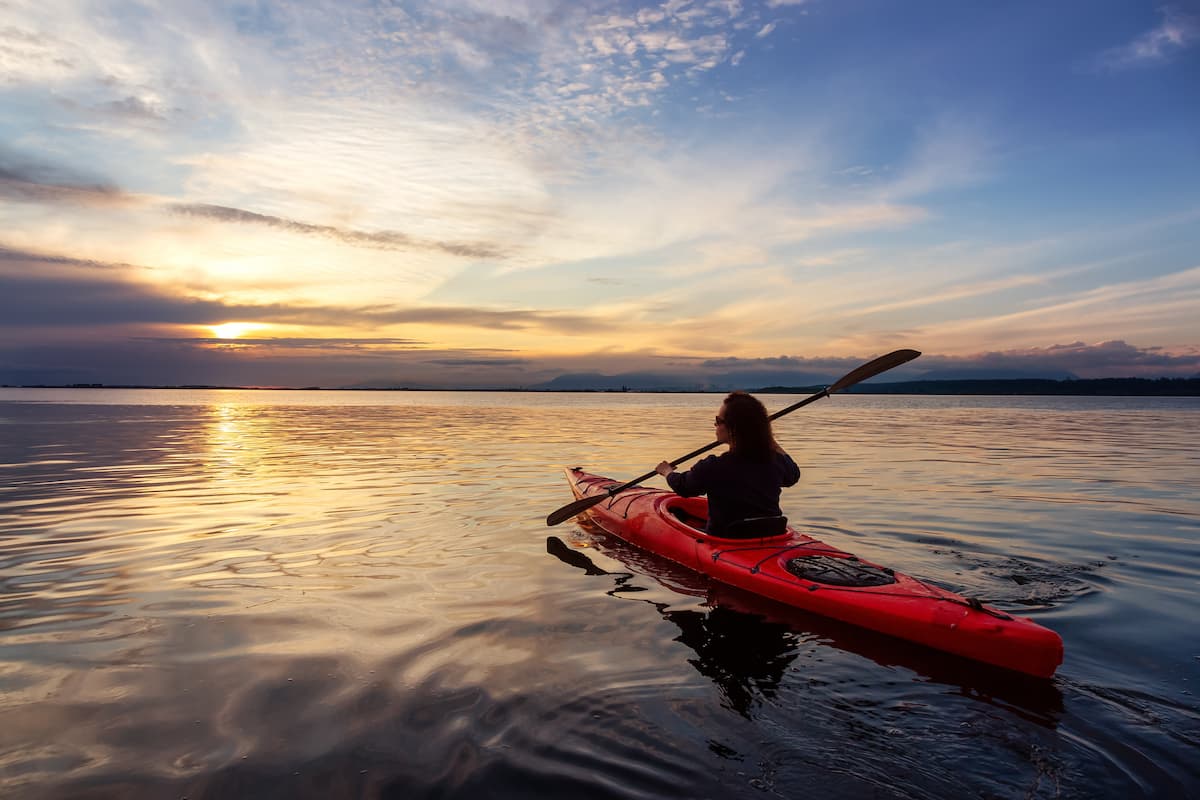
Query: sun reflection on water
pixel 189 588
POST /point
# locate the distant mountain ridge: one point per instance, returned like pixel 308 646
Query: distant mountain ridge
pixel 985 374
pixel 1098 387
pixel 660 382
pixel 967 381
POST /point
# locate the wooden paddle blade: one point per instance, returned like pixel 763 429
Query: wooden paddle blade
pixel 873 368
pixel 574 509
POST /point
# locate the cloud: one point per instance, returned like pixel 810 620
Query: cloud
pixel 532 49
pixel 467 130
pixel 478 362
pixel 455 171
pixel 949 152
pixel 29 181
pixel 327 362
pixel 36 302
pixel 131 107
pixel 1104 359
pixel 1174 34
pixel 30 53
pixel 490 319
pixel 356 345
pixel 167 362
pixel 958 292
pixel 96 294
pixel 391 361
pixel 781 363
pixel 382 240
pixel 1156 308
pixel 628 60
pixel 38 261
pixel 1112 358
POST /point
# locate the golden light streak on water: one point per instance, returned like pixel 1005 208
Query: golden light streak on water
pixel 353 594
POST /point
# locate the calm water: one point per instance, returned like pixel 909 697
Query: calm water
pixel 323 595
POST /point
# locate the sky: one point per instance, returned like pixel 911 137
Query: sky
pixel 509 193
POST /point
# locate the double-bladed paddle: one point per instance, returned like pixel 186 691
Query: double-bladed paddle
pixel 868 370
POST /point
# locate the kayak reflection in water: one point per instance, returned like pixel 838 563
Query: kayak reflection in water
pixel 743 484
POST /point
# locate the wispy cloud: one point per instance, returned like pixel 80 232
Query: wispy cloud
pixel 463 361
pixel 488 319
pixel 1177 32
pixel 1147 309
pixel 383 240
pixel 959 291
pixel 48 185
pixel 472 172
pixel 586 178
pixel 949 152
pixel 33 182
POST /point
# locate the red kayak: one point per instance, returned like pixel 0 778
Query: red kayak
pixel 803 572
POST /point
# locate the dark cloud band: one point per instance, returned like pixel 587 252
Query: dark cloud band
pixel 97 293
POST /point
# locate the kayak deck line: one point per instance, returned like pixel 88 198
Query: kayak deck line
pixel 806 573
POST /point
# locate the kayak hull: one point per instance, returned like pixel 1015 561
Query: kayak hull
pixel 777 567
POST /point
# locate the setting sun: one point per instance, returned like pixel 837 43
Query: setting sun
pixel 233 330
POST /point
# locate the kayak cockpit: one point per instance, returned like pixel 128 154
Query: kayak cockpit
pixel 758 528
pixel 693 512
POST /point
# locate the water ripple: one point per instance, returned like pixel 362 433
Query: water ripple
pixel 328 595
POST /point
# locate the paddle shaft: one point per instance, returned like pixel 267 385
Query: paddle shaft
pixel 871 368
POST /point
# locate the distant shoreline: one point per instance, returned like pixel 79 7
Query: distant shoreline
pixel 1094 387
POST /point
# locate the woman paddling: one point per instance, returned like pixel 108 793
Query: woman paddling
pixel 745 482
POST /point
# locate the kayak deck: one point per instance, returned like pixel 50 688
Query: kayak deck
pixel 806 573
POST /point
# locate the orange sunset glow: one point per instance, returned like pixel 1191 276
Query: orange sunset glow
pixel 659 196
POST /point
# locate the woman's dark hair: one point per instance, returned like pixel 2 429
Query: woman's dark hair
pixel 749 426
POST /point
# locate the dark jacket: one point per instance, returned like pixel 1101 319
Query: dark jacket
pixel 738 488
